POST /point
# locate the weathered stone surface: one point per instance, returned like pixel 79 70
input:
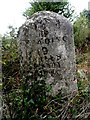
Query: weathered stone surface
pixel 50 37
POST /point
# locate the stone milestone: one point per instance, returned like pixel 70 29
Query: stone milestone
pixel 50 38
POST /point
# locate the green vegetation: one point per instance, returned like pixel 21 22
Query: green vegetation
pixel 63 8
pixel 27 98
pixel 81 32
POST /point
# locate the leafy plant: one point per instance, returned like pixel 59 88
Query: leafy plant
pixel 63 8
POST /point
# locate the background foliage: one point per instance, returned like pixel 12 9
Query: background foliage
pixel 81 31
pixel 63 8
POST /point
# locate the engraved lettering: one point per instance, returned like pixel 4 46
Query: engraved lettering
pixel 64 38
pixel 47 41
pixel 45 50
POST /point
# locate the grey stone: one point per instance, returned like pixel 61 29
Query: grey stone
pixel 50 37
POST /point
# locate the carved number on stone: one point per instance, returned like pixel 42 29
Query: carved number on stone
pixel 45 50
pixel 39 42
pixel 45 32
pixel 64 38
pixel 58 57
pixel 47 41
pixel 52 58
